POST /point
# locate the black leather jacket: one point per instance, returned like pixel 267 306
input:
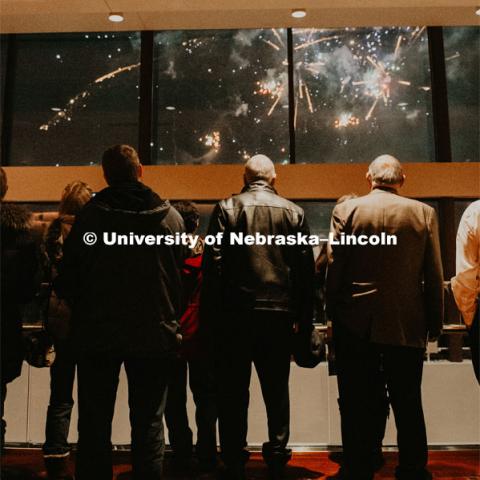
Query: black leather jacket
pixel 258 277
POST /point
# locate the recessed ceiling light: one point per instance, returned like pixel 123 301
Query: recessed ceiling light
pixel 170 107
pixel 116 17
pixel 299 13
pixel 477 11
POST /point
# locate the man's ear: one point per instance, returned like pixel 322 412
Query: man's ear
pixel 139 171
pixel 369 179
pixel 272 181
pixel 403 180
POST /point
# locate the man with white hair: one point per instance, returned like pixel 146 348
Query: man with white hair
pixel 384 302
pixel 252 297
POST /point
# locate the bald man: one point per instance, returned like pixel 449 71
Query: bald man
pixel 253 296
pixel 384 302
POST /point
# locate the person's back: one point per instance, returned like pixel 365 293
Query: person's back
pixel 126 302
pixel 382 286
pixel 128 296
pixel 254 292
pixel 194 363
pixel 19 265
pixel 385 297
pixel 260 275
pixel 56 450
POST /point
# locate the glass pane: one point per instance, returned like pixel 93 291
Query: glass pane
pixel 460 207
pixel 220 96
pixel 462 47
pixel 318 215
pixel 362 92
pixel 3 70
pixel 75 94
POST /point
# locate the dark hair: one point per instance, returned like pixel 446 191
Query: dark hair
pixel 120 164
pixel 75 195
pixel 189 213
pixel 3 183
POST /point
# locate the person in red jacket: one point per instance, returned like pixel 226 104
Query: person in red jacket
pixel 193 358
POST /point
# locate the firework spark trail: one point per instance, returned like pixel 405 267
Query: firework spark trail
pixel 279 38
pixel 275 103
pixel 343 83
pixel 416 35
pixel 378 66
pixel 314 42
pixel 311 67
pixel 66 112
pixel 116 72
pixel 295 115
pixel 451 57
pixel 273 45
pixel 372 108
pixel 309 100
pixel 386 96
pixel 397 47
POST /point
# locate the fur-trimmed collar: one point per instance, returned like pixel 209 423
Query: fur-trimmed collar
pixel 15 217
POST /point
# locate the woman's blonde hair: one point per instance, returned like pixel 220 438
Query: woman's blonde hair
pixel 75 195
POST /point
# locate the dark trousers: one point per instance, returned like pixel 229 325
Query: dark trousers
pixel 263 338
pixel 202 385
pixel 359 367
pixel 474 337
pixel 97 389
pixel 381 413
pixel 62 376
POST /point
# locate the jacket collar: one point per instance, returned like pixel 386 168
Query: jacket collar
pixel 258 185
pixel 383 189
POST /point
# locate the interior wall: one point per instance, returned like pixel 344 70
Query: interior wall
pixel 212 182
pixel 449 393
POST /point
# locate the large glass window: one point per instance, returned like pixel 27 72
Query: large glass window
pixel 74 95
pixel 220 96
pixel 3 70
pixel 462 47
pixel 460 207
pixel 361 92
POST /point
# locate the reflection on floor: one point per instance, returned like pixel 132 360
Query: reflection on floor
pixel 451 465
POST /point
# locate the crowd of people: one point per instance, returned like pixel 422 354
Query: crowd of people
pixel 214 310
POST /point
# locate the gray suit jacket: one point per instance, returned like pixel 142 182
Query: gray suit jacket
pixel 387 294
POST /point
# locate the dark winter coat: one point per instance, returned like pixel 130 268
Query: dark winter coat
pixel 19 264
pixel 126 300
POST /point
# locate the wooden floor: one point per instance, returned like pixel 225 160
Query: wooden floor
pixel 454 465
